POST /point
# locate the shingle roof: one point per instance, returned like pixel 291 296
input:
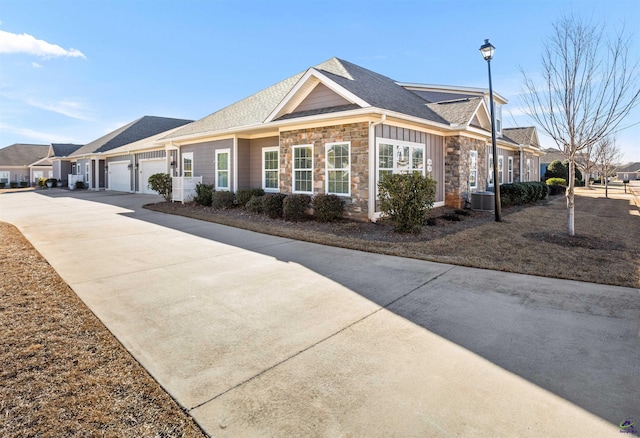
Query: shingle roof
pixel 20 154
pixel 64 149
pixel 137 130
pixel 456 111
pixel 631 167
pixel 524 135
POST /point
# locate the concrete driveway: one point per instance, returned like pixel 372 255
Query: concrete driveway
pixel 257 335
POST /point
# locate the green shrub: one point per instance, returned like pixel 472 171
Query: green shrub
pixel 255 204
pixel 42 182
pixel 272 204
pixel 406 199
pixel 327 208
pixel 79 185
pixel 521 193
pixel 244 195
pixel 161 183
pixel 222 200
pixel 556 182
pixel 204 194
pixel 294 207
pixel 3 185
pixel 560 169
pixel 13 184
pixel 556 189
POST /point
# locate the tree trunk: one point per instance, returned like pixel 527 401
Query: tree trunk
pixel 570 199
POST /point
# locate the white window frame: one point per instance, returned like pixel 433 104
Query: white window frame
pixel 509 170
pixel 5 175
pixel 87 168
pixel 501 169
pixel 341 169
pixel 218 172
pixel 528 170
pixel 294 168
pixel 473 169
pixel 187 156
pixel 490 178
pixel 395 143
pixel 265 170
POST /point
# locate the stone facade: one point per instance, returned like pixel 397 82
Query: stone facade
pixel 356 206
pixel 456 165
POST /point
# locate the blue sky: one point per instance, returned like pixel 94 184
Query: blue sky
pixel 93 66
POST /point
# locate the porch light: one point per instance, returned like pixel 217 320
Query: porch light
pixel 173 163
pixel 487 50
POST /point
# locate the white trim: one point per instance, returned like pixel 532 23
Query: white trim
pixel 490 176
pixel 501 164
pixel 326 167
pixel 509 169
pixel 187 155
pixel 293 168
pixel 449 89
pixel 234 161
pixel 472 169
pixel 264 180
pixel 228 170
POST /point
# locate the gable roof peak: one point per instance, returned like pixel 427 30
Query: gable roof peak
pixel 335 66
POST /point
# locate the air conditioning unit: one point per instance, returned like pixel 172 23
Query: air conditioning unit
pixel 483 201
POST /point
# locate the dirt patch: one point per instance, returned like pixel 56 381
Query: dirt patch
pixel 62 372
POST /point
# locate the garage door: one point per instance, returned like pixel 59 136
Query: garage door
pixel 148 168
pixel 119 177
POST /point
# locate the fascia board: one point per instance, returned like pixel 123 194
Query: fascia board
pixel 452 88
pixel 297 93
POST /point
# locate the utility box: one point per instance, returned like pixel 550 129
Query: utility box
pixel 483 201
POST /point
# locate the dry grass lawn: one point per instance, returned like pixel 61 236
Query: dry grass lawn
pixel 530 240
pixel 62 373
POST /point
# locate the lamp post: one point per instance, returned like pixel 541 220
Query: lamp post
pixel 487 50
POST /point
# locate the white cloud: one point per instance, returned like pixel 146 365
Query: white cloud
pixel 75 110
pixel 30 134
pixel 36 65
pixel 25 43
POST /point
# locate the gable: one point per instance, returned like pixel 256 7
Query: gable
pixel 321 97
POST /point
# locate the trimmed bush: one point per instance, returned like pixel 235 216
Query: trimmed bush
pixel 3 185
pixel 255 204
pixel 222 200
pixel 244 195
pixel 294 207
pixel 79 185
pixel 161 183
pixel 204 194
pixel 556 182
pixel 327 208
pixel 406 199
pixel 557 190
pixel 521 193
pixel 272 204
pixel 13 184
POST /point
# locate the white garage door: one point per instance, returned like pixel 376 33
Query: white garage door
pixel 119 177
pixel 148 168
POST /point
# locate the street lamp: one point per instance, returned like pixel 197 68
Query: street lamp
pixel 487 50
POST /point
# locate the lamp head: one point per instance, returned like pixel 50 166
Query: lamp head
pixel 487 50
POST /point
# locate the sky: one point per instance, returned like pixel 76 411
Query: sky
pixel 72 71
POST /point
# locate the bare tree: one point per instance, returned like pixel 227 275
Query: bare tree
pixel 589 85
pixel 607 155
pixel 585 161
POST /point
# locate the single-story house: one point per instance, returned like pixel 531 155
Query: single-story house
pixel 628 172
pixel 24 163
pixel 337 128
pixel 88 163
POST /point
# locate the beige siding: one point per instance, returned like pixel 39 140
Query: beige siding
pixel 244 163
pixel 321 97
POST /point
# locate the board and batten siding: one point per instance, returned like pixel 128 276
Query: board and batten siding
pixel 321 97
pixel 204 157
pixel 434 150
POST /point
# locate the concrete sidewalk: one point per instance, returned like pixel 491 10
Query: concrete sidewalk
pixel 263 336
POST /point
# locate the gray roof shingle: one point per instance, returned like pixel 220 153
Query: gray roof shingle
pixel 137 130
pixel 456 111
pixel 20 154
pixel 525 135
pixel 64 149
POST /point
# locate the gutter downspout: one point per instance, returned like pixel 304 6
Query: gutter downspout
pixel 372 168
pixel 521 160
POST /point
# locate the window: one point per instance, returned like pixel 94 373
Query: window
pixel 4 177
pixel 37 174
pixel 86 173
pixel 500 169
pixel 338 169
pixel 528 170
pixel 303 169
pixel 399 157
pixel 271 169
pixel 187 165
pixel 473 169
pixel 509 170
pixel 490 171
pixel 222 169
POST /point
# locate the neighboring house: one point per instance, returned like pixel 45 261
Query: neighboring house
pixel 129 167
pixel 60 167
pixel 551 155
pixel 24 163
pixel 88 163
pixel 628 172
pixel 337 128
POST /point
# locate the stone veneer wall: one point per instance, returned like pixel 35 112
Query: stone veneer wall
pixel 456 168
pixel 356 206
